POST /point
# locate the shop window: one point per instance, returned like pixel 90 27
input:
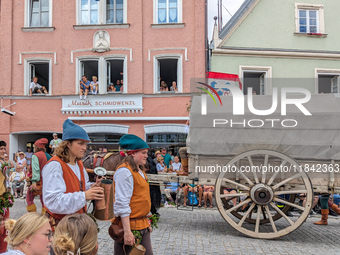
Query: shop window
pixel 173 141
pixel 42 72
pixel 102 141
pixel 168 75
pixel 328 83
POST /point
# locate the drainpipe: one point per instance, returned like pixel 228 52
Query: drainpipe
pixel 206 37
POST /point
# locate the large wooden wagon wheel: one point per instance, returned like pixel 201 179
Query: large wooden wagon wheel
pixel 262 192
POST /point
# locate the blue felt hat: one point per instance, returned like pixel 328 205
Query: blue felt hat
pixel 72 131
pixel 132 142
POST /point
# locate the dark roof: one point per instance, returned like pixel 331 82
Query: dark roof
pixel 237 16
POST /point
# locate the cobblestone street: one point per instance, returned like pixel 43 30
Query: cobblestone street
pixel 205 232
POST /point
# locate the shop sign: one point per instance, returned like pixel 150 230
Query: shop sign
pixel 102 104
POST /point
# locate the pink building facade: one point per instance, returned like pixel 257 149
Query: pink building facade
pixel 139 42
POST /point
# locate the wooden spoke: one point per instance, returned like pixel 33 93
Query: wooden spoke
pixel 239 205
pixel 244 176
pixel 282 214
pixel 287 192
pixel 279 184
pixel 265 164
pixel 246 214
pixel 287 180
pixel 276 173
pixel 263 213
pixel 288 203
pixel 234 195
pixel 236 184
pixel 270 218
pixel 251 167
pixel 257 225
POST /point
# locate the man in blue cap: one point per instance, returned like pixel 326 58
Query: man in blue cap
pixel 66 186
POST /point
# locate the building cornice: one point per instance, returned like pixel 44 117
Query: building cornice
pixel 37 29
pixel 168 25
pixel 101 26
pixel 44 97
pixel 283 53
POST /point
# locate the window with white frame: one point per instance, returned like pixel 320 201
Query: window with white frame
pixel 115 75
pixel 114 11
pixel 102 12
pixel 168 74
pixel 309 19
pixel 39 13
pixel 256 80
pixel 328 83
pixel 108 71
pixel 167 11
pixel 39 73
pixel 89 69
pixel 89 11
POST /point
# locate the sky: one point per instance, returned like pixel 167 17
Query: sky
pixel 231 5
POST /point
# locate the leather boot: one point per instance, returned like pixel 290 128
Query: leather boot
pixel 324 217
pixel 32 208
pixel 43 211
pixel 184 171
pixel 334 207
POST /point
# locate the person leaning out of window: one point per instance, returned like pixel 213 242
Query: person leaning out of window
pixel 164 86
pixel 174 87
pixel 118 85
pixel 35 87
pixel 94 85
pixel 111 88
pixel 84 87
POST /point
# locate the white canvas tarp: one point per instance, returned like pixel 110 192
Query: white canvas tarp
pixel 314 137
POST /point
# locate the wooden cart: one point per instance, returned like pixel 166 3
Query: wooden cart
pixel 266 168
pixel 259 172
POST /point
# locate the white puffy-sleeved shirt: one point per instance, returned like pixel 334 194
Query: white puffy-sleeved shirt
pixel 123 191
pixel 54 189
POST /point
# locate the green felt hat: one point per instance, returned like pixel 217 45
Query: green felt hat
pixel 132 142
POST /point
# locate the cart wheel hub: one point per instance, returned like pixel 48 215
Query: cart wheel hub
pixel 261 194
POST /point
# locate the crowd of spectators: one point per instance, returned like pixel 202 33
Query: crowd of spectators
pixel 86 86
pixel 167 163
pixel 19 169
